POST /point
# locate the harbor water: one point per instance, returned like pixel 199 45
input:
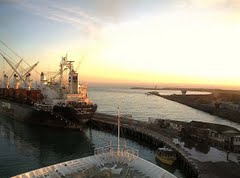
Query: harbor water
pixel 25 147
pixel 141 106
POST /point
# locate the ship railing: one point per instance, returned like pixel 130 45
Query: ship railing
pixel 123 151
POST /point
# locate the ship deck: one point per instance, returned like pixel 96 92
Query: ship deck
pixel 106 162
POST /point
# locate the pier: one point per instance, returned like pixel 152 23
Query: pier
pixel 155 136
pixel 148 133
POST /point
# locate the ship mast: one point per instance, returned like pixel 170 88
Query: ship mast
pixel 118 145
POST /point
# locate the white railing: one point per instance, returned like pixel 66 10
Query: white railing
pixel 123 151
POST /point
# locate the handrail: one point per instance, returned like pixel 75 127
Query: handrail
pixel 123 150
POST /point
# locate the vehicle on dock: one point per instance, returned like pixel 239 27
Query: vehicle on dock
pixel 57 101
pixel 166 156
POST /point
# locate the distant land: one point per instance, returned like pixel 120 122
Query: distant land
pixel 222 103
pixel 190 89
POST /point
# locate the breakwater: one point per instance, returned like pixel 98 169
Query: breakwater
pixel 207 104
pixel 154 136
pixel 149 134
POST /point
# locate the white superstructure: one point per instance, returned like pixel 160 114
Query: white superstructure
pixel 107 162
pixel 56 90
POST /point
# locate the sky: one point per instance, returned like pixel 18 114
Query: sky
pixel 182 43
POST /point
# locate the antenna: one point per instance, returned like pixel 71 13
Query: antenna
pixel 118 149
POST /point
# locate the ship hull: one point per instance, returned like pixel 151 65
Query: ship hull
pixel 29 114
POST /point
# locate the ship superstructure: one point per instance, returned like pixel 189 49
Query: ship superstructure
pixel 55 90
pixel 51 101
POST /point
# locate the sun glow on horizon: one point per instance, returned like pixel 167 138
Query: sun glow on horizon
pixel 173 48
pixel 196 44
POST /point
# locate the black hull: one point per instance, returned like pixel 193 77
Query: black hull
pixel 29 114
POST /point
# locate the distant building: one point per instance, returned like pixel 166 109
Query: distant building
pixel 229 105
pixel 216 138
pixel 236 144
pixel 220 136
pixel 166 123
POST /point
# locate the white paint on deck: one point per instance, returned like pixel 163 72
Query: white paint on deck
pixel 120 163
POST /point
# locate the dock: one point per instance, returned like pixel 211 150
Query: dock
pixel 155 137
pixel 144 132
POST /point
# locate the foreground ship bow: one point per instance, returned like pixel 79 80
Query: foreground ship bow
pixel 107 162
pixel 54 102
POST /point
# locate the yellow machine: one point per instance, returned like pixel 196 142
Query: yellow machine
pixel 166 156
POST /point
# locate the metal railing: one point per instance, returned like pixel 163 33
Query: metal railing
pixel 113 150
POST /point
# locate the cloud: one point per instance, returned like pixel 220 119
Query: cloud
pixel 64 13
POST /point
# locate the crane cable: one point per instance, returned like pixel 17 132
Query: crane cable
pixel 18 57
pixel 16 54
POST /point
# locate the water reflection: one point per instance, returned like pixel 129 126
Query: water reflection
pixel 141 107
pixel 26 147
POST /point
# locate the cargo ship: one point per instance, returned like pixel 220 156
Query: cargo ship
pixel 54 101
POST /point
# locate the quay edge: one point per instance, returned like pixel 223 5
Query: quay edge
pixel 139 131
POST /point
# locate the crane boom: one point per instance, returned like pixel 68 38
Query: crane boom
pixel 13 68
pixel 59 73
pixel 30 69
pixel 16 69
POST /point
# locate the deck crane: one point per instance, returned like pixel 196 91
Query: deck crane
pixel 58 74
pixel 7 78
pixel 10 76
pixel 30 69
pixel 15 70
pixel 26 77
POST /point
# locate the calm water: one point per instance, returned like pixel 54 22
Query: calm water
pixel 25 147
pixel 141 106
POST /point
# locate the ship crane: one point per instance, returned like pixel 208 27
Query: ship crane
pixel 30 69
pixel 16 69
pixel 27 75
pixel 15 80
pixel 13 67
pixel 58 74
pixel 27 80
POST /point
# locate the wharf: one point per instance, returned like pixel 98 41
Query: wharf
pixel 157 137
pixel 142 131
pixel 208 104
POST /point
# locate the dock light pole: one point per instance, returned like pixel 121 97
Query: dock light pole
pixel 118 149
